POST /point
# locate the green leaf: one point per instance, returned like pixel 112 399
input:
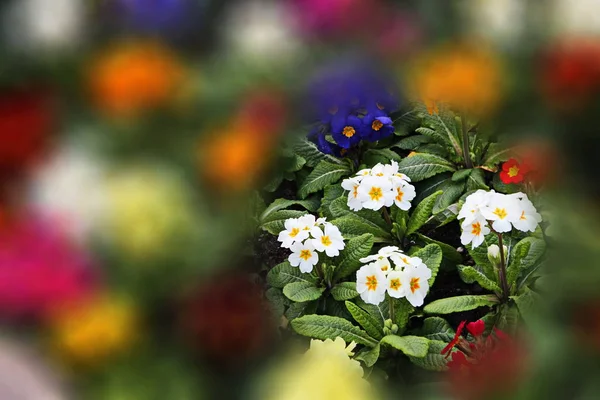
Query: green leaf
pixel 331 193
pixel 451 192
pixel 277 301
pixel 311 204
pixel 325 173
pixel 431 255
pixel 433 360
pixel 328 327
pixel 525 255
pixel 422 165
pixel 296 310
pixel 344 291
pixel 301 292
pixel 368 356
pixel 436 328
pixel 527 304
pixel 429 186
pixel 283 274
pixel 412 142
pixel 378 311
pixel 421 213
pixel 383 156
pixel 479 255
pixel 470 274
pixel 370 324
pixel 352 225
pixel 293 163
pixel 443 217
pixel 495 154
pixel 355 249
pixel 503 187
pixel 461 175
pixel 276 220
pixel 476 180
pixel 449 253
pixel 402 312
pixel 460 303
pixel 311 153
pixel 414 346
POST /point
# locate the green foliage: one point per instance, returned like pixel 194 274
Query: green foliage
pixel 420 166
pixel 495 154
pixel 476 180
pixel 433 360
pixel 325 173
pixel 527 304
pixel 356 248
pixel 368 356
pixel 436 328
pixel 328 327
pixel 432 257
pixel 353 225
pixel 402 312
pixel 309 151
pixel 296 310
pixel 383 156
pixel 277 301
pixel 421 213
pixel 525 256
pixel 283 274
pixel 311 204
pixel 369 323
pixel 451 191
pixel 414 346
pixel 302 291
pixel 344 291
pixel 275 221
pixel 471 274
pixel 451 305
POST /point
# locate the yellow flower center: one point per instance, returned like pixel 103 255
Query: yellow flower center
pixel 305 254
pixel 476 229
pixel 376 125
pixel 326 241
pixel 355 191
pixel 513 171
pixel 523 215
pixel 348 131
pixel 376 193
pixel 500 212
pixel 372 283
pixel 294 232
pixel 385 268
pixel 414 284
pixel 400 194
pixel 395 284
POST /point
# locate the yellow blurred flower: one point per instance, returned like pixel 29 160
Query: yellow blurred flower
pixel 324 372
pixel 465 77
pixel 92 331
pixel 148 208
pixel 131 77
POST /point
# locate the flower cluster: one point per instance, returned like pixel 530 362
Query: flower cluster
pixel 306 236
pixel 352 104
pixel 407 278
pixel 502 211
pixel 380 186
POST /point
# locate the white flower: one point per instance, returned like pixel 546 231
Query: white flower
pixel 371 283
pixel 471 210
pixel 363 173
pixel 376 192
pixel 493 254
pixel 352 185
pixel 403 192
pixel 383 253
pixel 528 218
pixel 380 171
pixel 417 284
pixel 397 284
pixel 293 233
pixel 331 241
pixel 303 256
pixel 502 210
pixel 400 175
pixel 401 260
pixel 383 264
pixel 309 223
pixel 474 232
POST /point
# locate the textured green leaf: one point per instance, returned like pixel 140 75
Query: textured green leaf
pixel 412 142
pixel 527 304
pixel 402 312
pixel 470 274
pixel 461 175
pixel 449 253
pixel 383 156
pixel 422 165
pixel 355 249
pixel 436 328
pixel 284 273
pixel 495 154
pixel 328 327
pixel 344 291
pixel 368 356
pixel 325 173
pixel 429 186
pixel 451 192
pixel 460 303
pixel 443 217
pixel 352 225
pixel 277 301
pixel 369 323
pixel 301 292
pixel 331 193
pixel 378 311
pixel 276 221
pixel 433 360
pixel 414 346
pixel 476 180
pixel 296 310
pixel 311 204
pixel 421 213
pixel 310 152
pixel 293 163
pixel 479 255
pixel 431 255
pixel 525 255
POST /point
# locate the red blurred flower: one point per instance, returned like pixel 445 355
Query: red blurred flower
pixel 448 349
pixel 513 171
pixel 541 158
pixel 227 319
pixel 476 328
pixel 26 120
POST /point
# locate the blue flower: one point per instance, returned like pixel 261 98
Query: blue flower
pixel 378 126
pixel 347 131
pixel 317 136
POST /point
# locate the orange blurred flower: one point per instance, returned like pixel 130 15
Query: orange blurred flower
pixel 465 77
pixel 131 77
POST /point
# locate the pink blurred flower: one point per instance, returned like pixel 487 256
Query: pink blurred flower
pixel 333 16
pixel 39 269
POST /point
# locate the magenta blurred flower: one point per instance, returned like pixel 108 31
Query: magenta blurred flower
pixel 333 16
pixel 39 269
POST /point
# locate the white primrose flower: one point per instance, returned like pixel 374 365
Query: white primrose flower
pixel 397 284
pixel 493 254
pixel 417 284
pixel 502 210
pixel 309 223
pixel 528 218
pixel 400 175
pixel 376 192
pixel 403 192
pixel 380 171
pixel 383 253
pixel 401 260
pixel 330 240
pixel 371 283
pixel 471 210
pixel 474 232
pixel 352 185
pixel 292 233
pixel 303 256
pixel 363 173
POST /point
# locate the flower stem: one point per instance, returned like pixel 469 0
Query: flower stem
pixel 392 309
pixel 502 271
pixel 465 143
pixel 386 216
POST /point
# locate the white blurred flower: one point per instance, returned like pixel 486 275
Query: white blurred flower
pixel 500 21
pixel 44 26
pixel 418 285
pixel 303 256
pixel 371 283
pixel 574 17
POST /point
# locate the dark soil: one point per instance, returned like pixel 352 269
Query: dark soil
pixel 268 250
pixel 449 234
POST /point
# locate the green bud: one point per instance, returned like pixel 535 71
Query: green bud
pixel 493 254
pixel 387 331
pixel 388 323
pixel 394 329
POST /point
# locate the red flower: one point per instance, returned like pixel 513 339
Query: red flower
pixel 513 171
pixel 454 342
pixel 476 328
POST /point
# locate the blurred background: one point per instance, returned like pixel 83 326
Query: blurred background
pixel 133 134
